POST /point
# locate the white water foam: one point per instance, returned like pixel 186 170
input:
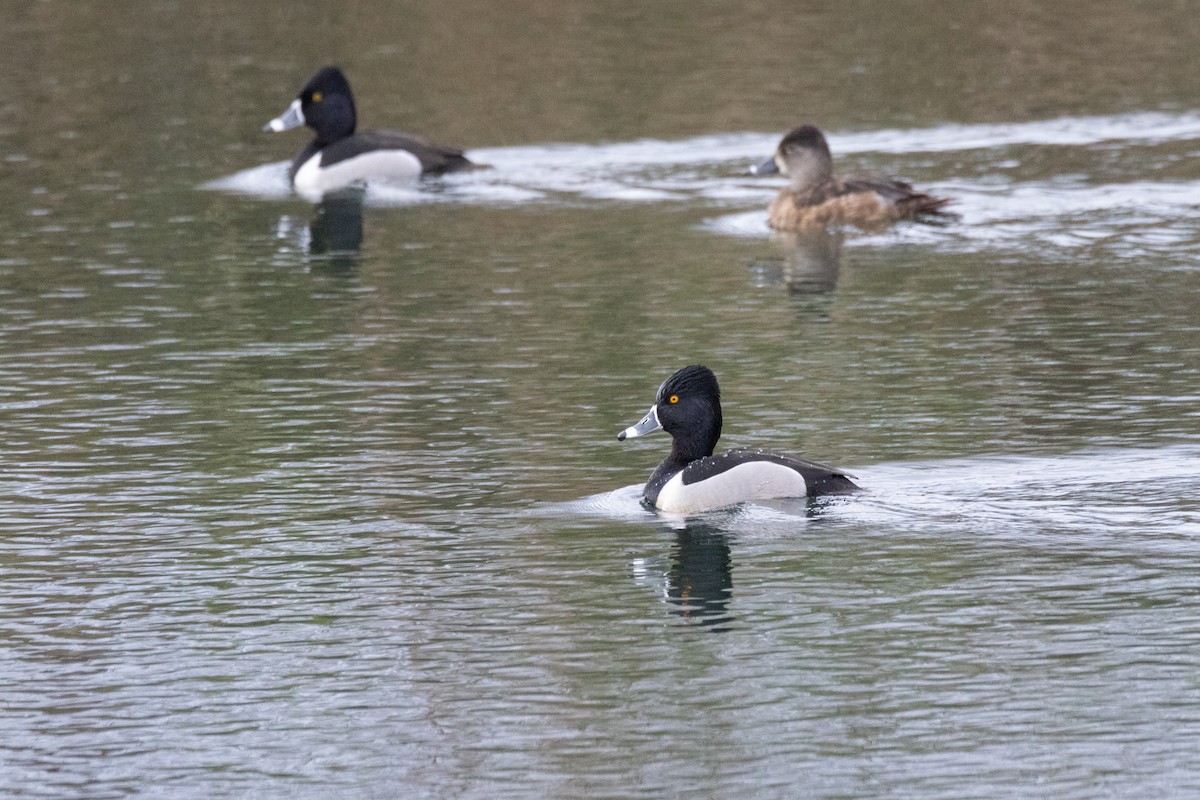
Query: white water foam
pixel 1089 492
pixel 709 171
pixel 1127 219
pixel 710 167
pixel 268 181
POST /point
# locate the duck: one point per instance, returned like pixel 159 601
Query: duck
pixel 816 198
pixel 339 158
pixel 691 479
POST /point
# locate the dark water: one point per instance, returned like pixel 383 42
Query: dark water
pixel 305 501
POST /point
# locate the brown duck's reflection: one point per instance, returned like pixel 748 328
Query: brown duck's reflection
pixel 700 578
pixel 809 264
pixel 336 229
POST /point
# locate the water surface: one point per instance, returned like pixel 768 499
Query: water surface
pixel 316 501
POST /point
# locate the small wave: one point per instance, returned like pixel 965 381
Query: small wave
pixel 1086 492
pixel 1090 492
pixel 268 181
pixel 624 503
pixel 1067 211
pixel 1125 219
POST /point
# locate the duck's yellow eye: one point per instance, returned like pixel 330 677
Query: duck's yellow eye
pixel 317 97
pixel 673 399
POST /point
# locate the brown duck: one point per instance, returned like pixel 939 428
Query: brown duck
pixel 817 198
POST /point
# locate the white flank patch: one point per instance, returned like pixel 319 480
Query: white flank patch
pixel 754 480
pixel 313 181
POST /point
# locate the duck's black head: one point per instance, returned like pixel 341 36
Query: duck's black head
pixel 688 406
pixel 325 104
pixel 328 105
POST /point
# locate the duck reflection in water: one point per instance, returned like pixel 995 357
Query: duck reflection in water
pixel 334 234
pixel 700 578
pixel 699 575
pixel 336 229
pixel 810 262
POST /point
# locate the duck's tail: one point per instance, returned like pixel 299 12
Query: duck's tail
pixel 928 208
pixel 456 162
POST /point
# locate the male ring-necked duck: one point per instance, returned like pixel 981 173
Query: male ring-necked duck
pixel 688 406
pixel 817 198
pixel 338 157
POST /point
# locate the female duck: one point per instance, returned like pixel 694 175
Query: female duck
pixel 688 407
pixel 339 157
pixel 817 198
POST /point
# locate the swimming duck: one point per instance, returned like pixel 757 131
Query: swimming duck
pixel 691 478
pixel 817 198
pixel 338 157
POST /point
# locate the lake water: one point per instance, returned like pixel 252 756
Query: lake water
pixel 326 501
